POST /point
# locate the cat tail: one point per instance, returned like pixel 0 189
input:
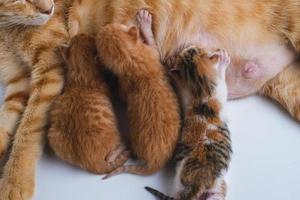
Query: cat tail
pixel 142 170
pixel 159 194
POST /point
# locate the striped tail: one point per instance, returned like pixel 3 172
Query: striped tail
pixel 159 194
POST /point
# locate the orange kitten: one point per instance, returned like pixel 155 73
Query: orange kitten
pixel 152 105
pixel 83 128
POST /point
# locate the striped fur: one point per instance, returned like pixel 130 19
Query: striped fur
pixel 205 145
pixel 32 73
pixel 158 194
pixel 273 42
pixel 83 127
pixel 151 102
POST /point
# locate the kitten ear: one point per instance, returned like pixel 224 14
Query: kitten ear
pixel 134 33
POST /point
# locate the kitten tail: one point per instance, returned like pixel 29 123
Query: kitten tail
pixel 158 194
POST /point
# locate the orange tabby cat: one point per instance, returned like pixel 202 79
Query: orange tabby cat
pixel 261 37
pixel 152 105
pixel 28 41
pixel 83 128
pixel 255 31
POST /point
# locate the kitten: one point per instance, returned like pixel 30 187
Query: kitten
pixel 152 105
pixel 204 151
pixel 83 128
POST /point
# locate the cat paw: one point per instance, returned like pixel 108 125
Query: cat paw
pixel 4 142
pixel 144 19
pixel 113 155
pixel 296 111
pixel 224 59
pixel 144 22
pixel 15 191
pixel 217 192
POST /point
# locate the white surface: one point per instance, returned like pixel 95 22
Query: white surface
pixel 265 165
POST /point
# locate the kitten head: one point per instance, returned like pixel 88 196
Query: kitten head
pixel 118 45
pixel 199 71
pixel 80 51
pixel 25 12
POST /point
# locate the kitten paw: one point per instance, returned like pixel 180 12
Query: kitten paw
pixel 224 59
pixel 144 22
pixel 113 155
pixel 218 192
pixel 15 190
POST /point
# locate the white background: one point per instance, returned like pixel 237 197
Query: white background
pixel 265 165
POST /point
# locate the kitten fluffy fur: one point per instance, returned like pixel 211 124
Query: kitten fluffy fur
pixel 83 127
pixel 261 37
pixel 204 151
pixel 152 105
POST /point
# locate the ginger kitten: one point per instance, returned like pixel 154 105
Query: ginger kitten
pixel 83 128
pixel 204 151
pixel 152 105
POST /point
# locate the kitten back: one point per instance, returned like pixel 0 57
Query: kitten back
pixel 81 60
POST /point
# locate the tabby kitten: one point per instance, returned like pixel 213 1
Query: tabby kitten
pixel 31 70
pixel 83 128
pixel 152 106
pixel 204 152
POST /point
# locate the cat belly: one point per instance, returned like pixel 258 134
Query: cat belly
pixel 251 69
pixel 252 64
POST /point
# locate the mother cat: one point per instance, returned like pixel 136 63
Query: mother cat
pixel 262 36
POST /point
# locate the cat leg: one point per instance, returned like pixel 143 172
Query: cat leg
pixel 18 178
pixel 285 89
pixel 144 21
pixel 16 80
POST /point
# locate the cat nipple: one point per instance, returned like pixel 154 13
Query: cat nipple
pixel 251 70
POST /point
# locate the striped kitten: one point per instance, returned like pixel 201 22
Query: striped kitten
pixel 204 152
pixel 83 127
pixel 31 70
pixel 152 105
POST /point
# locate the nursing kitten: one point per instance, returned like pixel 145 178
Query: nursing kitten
pixel 83 127
pixel 204 151
pixel 261 37
pixel 152 105
pixel 30 32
